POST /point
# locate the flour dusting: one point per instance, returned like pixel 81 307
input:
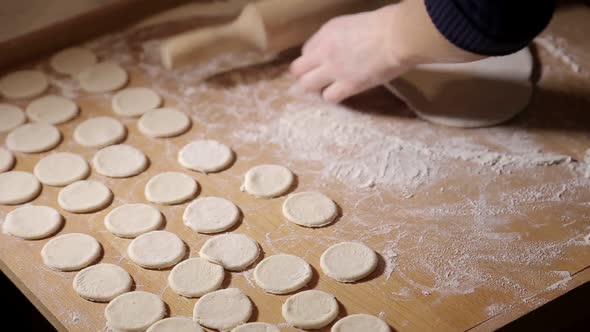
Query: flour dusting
pixel 555 47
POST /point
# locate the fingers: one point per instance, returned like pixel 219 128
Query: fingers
pixel 304 64
pixel 316 80
pixel 338 91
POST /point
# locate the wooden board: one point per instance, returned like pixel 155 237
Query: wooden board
pixel 472 227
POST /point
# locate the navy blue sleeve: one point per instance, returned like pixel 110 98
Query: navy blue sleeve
pixel 490 27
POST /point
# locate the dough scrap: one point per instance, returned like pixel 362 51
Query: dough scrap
pixel 211 215
pixel 134 311
pixel 102 77
pixel 23 84
pixel 119 161
pixel 268 181
pixel 33 138
pixel 6 160
pixel 311 309
pixel 282 273
pixel 206 156
pixel 176 324
pixel 32 222
pixel 10 117
pixel 72 61
pixel 156 250
pixel 170 188
pixel 234 252
pixel 102 282
pixel 195 277
pixel 70 252
pixel 61 168
pixel 163 122
pixel 348 261
pixel 223 309
pixel 84 196
pixel 469 95
pixel 135 101
pixel 52 109
pixel 17 187
pixel 310 209
pixel 360 323
pixel 99 132
pixel 132 220
pixel 256 327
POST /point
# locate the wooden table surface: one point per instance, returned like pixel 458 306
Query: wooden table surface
pixel 474 227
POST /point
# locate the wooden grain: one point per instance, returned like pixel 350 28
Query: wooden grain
pixel 559 119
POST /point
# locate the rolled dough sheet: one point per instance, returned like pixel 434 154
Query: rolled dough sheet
pixel 70 252
pixel 134 311
pixel 195 277
pixel 52 109
pixel 102 282
pixel 223 309
pixel 468 95
pixel 32 222
pixel 17 187
pixel 10 117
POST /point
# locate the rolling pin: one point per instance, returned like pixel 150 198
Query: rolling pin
pixel 265 27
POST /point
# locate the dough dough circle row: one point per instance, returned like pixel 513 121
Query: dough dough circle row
pixel 156 250
pixel 71 61
pixel 10 117
pixel 195 277
pixel 135 101
pixel 176 324
pixel 234 252
pixel 102 77
pixel 52 109
pixel 256 327
pixel 17 187
pixel 70 252
pixel 223 309
pixel 6 160
pixel 311 309
pixel 134 311
pixel 99 132
pixel 32 222
pixel 281 274
pixel 33 138
pixel 132 220
pixel 102 282
pixel 310 209
pixel 163 122
pixel 348 261
pixel 360 323
pixel 84 196
pixel 211 214
pixel 119 161
pixel 171 188
pixel 61 169
pixel 23 84
pixel 206 156
pixel 268 181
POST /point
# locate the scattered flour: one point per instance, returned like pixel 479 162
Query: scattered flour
pixel 555 47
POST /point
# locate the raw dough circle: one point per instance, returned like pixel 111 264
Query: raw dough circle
pixel 71 61
pixel 61 168
pixel 156 250
pixel 206 156
pixel 348 261
pixel 6 160
pixel 99 132
pixel 211 214
pixel 102 282
pixel 195 277
pixel 52 109
pixel 256 327
pixel 119 161
pixel 281 274
pixel 17 187
pixel 176 324
pixel 135 101
pixel 223 309
pixel 310 209
pixel 170 188
pixel 23 84
pixel 234 252
pixel 84 196
pixel 134 311
pixel 70 252
pixel 102 77
pixel 311 309
pixel 132 220
pixel 360 323
pixel 469 95
pixel 163 122
pixel 32 222
pixel 268 181
pixel 33 138
pixel 10 117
